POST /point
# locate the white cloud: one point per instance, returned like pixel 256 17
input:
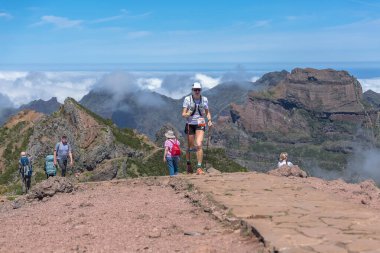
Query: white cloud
pixel 254 79
pixel 12 75
pixel 107 19
pixel 23 87
pixel 207 81
pixel 59 22
pixel 129 15
pixel 371 84
pixel 149 83
pixel 5 15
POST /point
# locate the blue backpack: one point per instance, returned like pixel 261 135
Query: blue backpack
pixel 50 168
pixel 26 168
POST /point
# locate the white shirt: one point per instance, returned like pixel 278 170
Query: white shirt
pixel 283 162
pixel 188 103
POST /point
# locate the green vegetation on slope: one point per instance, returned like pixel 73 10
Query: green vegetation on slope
pixel 154 165
pixel 16 140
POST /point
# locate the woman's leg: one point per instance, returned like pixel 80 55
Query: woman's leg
pixel 169 161
pixel 190 145
pixel 175 164
pixel 199 135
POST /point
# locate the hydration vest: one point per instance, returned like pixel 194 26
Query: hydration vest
pixel 197 107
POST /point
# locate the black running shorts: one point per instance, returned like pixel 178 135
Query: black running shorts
pixel 193 128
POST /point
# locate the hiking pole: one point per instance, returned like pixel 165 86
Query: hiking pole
pixel 189 169
pixel 207 144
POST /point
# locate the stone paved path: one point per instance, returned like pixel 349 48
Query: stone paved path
pixel 293 216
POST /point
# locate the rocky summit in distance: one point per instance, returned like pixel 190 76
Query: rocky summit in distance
pixel 42 106
pixel 317 116
pixel 97 144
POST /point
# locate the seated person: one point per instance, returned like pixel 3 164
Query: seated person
pixel 284 160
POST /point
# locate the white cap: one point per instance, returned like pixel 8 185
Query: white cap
pixel 197 85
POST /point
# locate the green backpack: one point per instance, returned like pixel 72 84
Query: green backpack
pixel 50 168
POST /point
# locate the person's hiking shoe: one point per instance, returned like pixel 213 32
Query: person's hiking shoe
pixel 200 171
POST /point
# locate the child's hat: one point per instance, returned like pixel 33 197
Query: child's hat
pixel 170 135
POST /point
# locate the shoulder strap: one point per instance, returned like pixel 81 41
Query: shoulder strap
pixel 59 144
pixel 192 97
pixel 199 110
pixel 173 142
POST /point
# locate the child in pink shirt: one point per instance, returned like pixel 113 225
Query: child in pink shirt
pixel 170 157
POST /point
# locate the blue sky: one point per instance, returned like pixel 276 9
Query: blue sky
pixel 104 32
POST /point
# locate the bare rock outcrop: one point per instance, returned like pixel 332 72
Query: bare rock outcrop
pixel 50 187
pixel 288 171
pixel 327 93
pixel 92 139
pixel 324 90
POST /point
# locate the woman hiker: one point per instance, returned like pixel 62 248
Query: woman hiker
pixel 196 110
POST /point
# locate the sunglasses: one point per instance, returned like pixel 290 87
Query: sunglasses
pixel 196 89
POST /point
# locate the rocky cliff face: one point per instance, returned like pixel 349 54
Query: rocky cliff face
pixel 94 141
pixel 320 90
pixel 317 115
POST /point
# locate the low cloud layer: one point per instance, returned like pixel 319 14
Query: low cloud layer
pixel 23 87
pixel 371 84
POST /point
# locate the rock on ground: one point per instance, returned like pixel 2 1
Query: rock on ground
pixel 50 187
pixel 288 171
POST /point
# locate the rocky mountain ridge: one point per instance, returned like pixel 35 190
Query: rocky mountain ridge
pixel 42 106
pixel 318 116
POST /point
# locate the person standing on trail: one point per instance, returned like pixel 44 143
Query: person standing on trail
pixel 172 152
pixel 61 153
pixel 196 110
pixel 26 170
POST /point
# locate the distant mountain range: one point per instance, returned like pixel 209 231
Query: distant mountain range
pixel 45 107
pixel 148 111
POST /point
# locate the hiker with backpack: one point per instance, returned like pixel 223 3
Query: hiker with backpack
pixel 26 170
pixel 172 152
pixel 196 110
pixel 62 152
